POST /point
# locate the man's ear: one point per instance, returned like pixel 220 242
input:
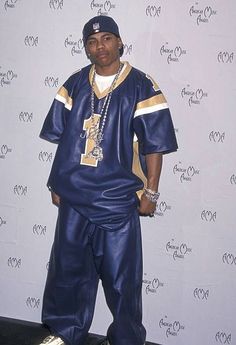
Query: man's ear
pixel 121 46
pixel 120 43
pixel 87 53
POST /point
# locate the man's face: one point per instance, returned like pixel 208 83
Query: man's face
pixel 103 48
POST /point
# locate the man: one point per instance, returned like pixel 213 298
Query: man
pixel 96 118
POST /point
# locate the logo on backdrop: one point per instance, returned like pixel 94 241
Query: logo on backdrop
pixel 201 294
pixel 202 14
pixel 192 96
pixel 162 208
pixel 208 216
pixel 225 57
pixel 178 251
pixel 33 303
pixel 2 222
pixel 128 49
pixel 229 259
pixel 75 46
pixel 233 179
pixel 56 4
pixel 153 11
pixel 14 262
pixel 173 54
pixel 102 7
pixel 39 229
pixel 223 338
pixel 31 41
pixel 185 174
pixel 51 81
pixel 20 190
pixel 151 285
pixel 10 4
pixel 6 78
pixel 45 156
pixel 217 137
pixel 4 150
pixel 25 116
pixel 171 328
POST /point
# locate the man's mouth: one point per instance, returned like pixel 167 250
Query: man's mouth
pixel 101 55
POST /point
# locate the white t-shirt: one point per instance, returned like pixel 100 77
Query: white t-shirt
pixel 104 81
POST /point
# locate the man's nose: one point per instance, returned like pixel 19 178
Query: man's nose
pixel 100 44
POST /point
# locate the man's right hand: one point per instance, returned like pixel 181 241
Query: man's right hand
pixel 55 199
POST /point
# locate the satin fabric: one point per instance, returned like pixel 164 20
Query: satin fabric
pixel 82 254
pixel 105 194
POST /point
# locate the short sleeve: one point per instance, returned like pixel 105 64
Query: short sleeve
pixel 152 120
pixel 57 116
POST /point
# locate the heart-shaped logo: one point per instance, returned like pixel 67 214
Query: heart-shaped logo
pixel 199 94
pixel 107 6
pixel 80 44
pixel 155 283
pixel 10 75
pixel 216 136
pixel 208 11
pixel 190 171
pixel 183 248
pixel 162 206
pixel 4 150
pixel 178 51
pixel 176 326
pixel 230 259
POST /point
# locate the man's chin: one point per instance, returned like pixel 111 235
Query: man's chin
pixel 102 61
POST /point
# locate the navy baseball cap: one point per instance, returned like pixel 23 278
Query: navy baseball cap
pixel 101 24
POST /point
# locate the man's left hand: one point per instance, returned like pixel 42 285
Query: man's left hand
pixel 146 207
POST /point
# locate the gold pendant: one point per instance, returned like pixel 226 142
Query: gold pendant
pixel 96 153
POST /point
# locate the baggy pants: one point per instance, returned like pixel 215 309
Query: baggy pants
pixel 83 253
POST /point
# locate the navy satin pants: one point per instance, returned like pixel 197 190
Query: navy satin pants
pixel 83 253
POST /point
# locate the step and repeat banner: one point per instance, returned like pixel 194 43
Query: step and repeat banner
pixel 189 48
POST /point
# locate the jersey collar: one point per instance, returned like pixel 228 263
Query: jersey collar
pixel 125 71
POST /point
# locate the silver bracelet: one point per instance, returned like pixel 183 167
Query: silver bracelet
pixel 151 195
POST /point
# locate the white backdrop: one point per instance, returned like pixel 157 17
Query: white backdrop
pixel 190 246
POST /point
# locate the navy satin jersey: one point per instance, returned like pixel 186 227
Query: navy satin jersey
pixel 105 191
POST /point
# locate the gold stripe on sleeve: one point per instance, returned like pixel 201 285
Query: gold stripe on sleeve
pixel 64 94
pixel 157 99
